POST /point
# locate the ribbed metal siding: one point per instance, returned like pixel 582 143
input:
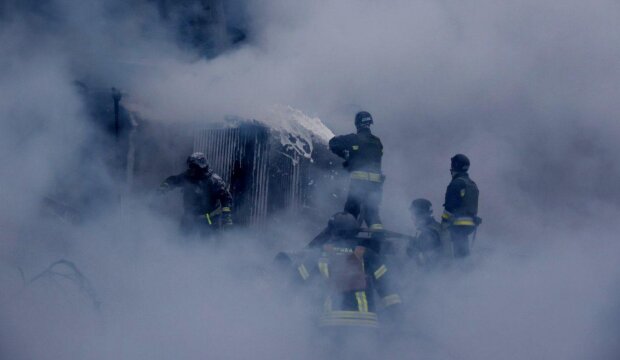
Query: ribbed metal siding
pixel 274 177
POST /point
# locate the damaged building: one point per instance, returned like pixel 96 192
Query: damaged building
pixel 275 168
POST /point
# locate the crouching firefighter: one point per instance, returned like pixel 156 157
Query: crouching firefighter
pixel 425 247
pixel 349 274
pixel 459 220
pixel 206 199
pixel 362 153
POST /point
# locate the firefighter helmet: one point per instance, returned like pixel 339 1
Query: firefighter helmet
pixel 197 160
pixel 459 163
pixel 363 119
pixel 343 224
pixel 421 206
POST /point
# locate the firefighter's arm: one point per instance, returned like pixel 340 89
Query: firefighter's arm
pixel 170 183
pixel 392 316
pixel 287 266
pixel 307 268
pixel 454 195
pixel 381 277
pixel 340 146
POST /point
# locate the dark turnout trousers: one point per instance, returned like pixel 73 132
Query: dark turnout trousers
pixel 365 197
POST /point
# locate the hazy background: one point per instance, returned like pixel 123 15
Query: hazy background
pixel 527 89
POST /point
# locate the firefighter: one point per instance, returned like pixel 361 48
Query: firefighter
pixel 206 199
pixel 362 153
pixel 425 247
pixel 350 274
pixel 459 220
pixel 374 241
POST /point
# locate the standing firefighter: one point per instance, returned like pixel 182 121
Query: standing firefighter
pixel 362 153
pixel 350 274
pixel 206 199
pixel 425 247
pixel 460 218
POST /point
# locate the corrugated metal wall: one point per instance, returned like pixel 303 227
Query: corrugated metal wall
pixel 221 146
pixel 264 177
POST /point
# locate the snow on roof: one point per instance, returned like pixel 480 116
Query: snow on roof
pixel 297 130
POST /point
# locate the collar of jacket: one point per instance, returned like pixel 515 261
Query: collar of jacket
pixel 460 175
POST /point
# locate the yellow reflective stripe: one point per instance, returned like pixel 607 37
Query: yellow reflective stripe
pixel 359 175
pixel 362 302
pixel 208 218
pixel 324 269
pixel 446 215
pixel 374 177
pixel 364 175
pixel 376 227
pixel 355 147
pixel 380 272
pixel 391 300
pixel 303 271
pixel 359 301
pixel 464 222
pixel 225 209
pixel 349 314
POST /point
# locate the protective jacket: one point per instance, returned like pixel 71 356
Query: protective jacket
pixel 351 275
pixel 461 202
pixel 362 153
pixel 460 218
pixel 204 196
pixel 427 238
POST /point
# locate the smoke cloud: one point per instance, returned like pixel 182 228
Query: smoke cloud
pixel 527 89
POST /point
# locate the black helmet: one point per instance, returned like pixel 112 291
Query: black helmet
pixel 363 119
pixel 197 160
pixel 421 206
pixel 459 163
pixel 343 224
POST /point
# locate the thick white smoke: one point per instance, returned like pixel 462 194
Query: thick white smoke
pixel 526 89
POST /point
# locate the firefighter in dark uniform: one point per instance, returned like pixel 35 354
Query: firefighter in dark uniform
pixel 350 274
pixel 206 199
pixel 459 219
pixel 362 153
pixel 425 247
